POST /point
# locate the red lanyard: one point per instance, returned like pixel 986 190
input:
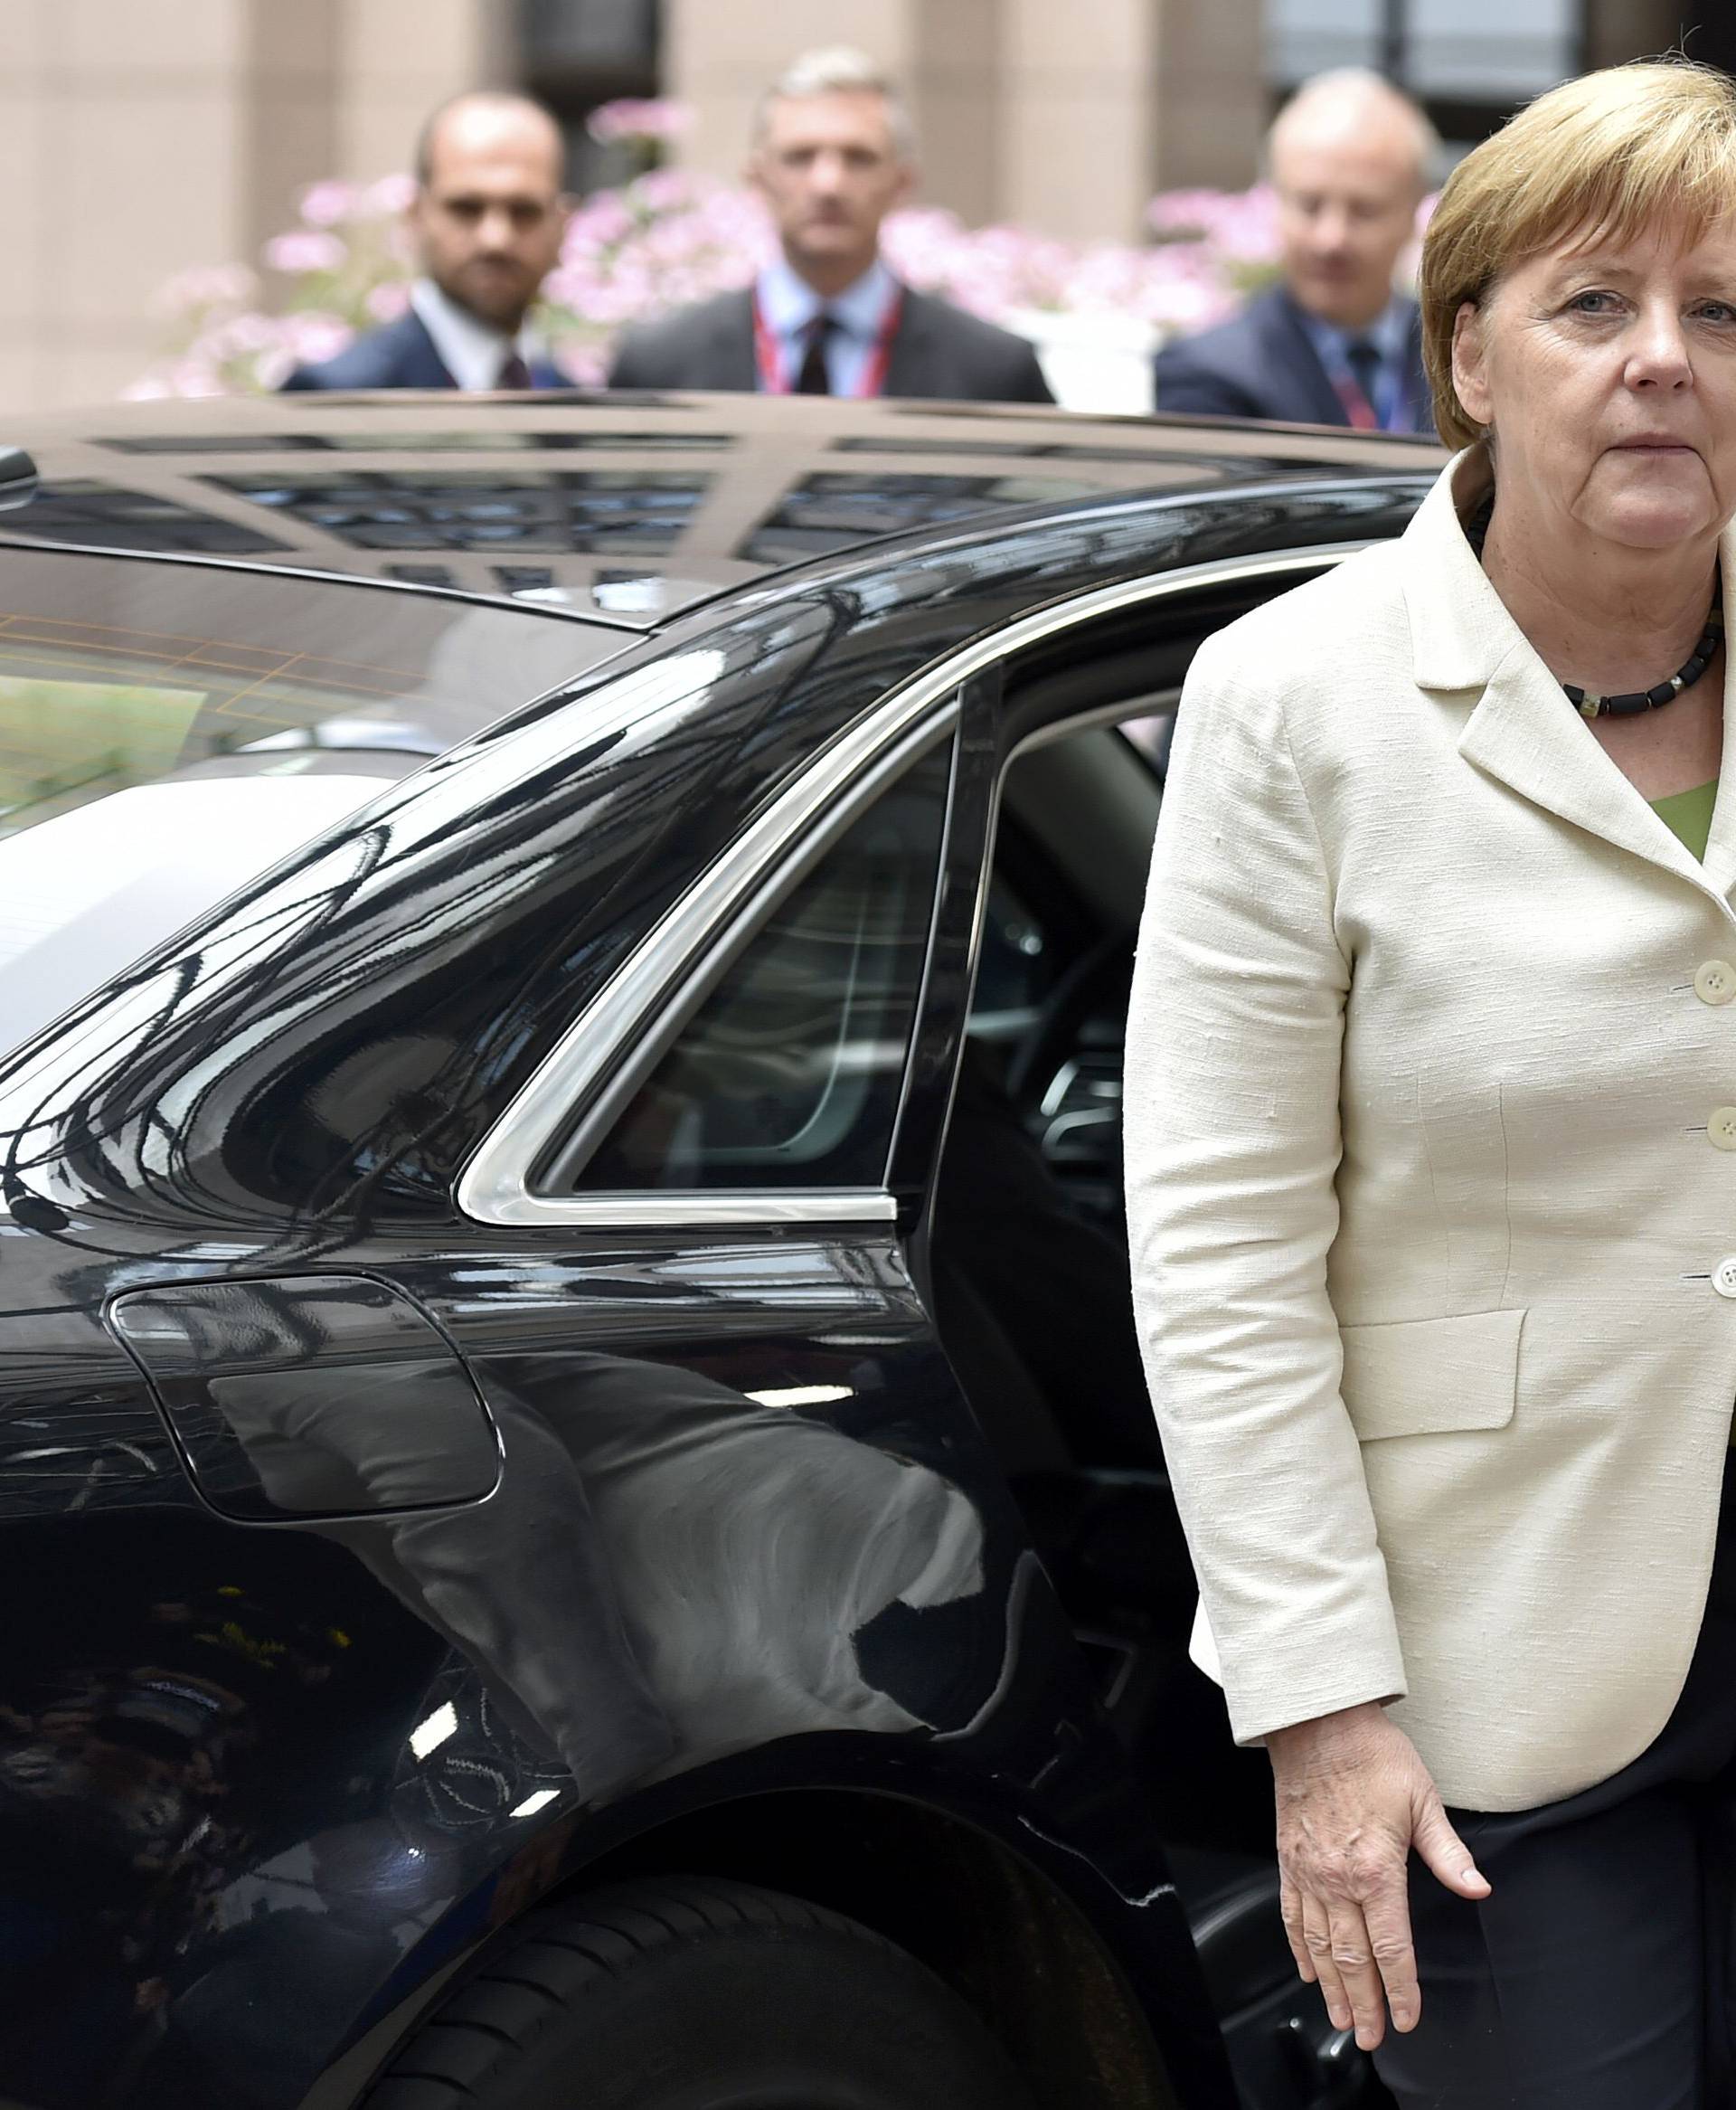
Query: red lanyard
pixel 775 381
pixel 1357 407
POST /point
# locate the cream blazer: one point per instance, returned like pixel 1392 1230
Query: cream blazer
pixel 1431 1124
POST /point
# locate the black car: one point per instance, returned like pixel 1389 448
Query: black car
pixel 580 1521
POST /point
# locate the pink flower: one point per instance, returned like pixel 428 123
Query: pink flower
pixel 387 302
pixel 601 220
pixel 207 286
pixel 672 236
pixel 305 250
pixel 314 336
pixel 628 119
pixel 391 194
pixel 585 366
pixel 323 205
pixel 244 335
pixel 194 376
pixel 665 190
pixel 1233 225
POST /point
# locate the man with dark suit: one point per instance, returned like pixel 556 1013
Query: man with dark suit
pixel 832 155
pixel 486 220
pixel 1333 344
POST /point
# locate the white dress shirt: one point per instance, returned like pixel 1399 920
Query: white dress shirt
pixel 788 304
pixel 471 350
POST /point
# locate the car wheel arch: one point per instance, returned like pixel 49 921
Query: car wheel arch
pixel 996 1929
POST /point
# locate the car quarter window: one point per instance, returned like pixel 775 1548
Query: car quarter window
pixel 790 1072
pixel 169 731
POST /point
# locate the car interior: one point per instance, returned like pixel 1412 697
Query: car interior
pixel 1028 1270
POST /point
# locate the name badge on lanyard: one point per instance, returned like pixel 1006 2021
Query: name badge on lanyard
pixel 775 380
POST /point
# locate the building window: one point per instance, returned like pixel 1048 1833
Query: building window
pixel 1469 62
pixel 575 54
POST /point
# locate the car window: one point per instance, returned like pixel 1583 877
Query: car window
pixel 169 732
pixel 1150 738
pixel 790 1072
pixel 1041 913
pixel 1016 958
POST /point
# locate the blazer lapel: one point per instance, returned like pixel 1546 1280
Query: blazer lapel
pixel 1526 732
pixel 910 371
pixel 1522 730
pixel 421 366
pixel 730 356
pixel 1290 354
pixel 1720 844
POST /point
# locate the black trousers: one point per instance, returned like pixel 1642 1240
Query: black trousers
pixel 1598 1975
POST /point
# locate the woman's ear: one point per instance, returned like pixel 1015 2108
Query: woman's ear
pixel 1471 373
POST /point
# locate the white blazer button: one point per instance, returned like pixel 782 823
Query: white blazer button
pixel 1724 1278
pixel 1715 982
pixel 1722 1128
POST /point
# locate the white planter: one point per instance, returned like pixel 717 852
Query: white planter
pixel 1098 361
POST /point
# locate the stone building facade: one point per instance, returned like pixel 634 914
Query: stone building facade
pixel 142 137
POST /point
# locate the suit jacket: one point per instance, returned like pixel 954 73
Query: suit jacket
pixel 938 353
pixel 1262 364
pixel 400 355
pixel 1434 1253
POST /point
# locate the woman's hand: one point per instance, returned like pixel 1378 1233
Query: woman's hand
pixel 1352 1799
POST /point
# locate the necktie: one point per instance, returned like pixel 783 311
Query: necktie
pixel 814 378
pixel 1365 366
pixel 514 373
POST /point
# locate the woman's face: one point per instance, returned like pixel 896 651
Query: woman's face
pixel 1606 370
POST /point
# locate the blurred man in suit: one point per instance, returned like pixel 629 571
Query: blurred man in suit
pixel 1333 344
pixel 832 154
pixel 486 220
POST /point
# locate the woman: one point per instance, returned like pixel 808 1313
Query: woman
pixel 1431 1103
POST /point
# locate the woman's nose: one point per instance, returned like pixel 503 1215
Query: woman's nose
pixel 1658 356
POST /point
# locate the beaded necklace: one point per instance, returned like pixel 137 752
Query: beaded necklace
pixel 1476 529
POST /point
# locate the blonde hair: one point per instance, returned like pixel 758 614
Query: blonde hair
pixel 1607 155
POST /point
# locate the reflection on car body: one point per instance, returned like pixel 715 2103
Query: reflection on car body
pixel 564 1349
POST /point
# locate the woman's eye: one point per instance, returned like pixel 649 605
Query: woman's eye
pixel 1592 303
pixel 1723 312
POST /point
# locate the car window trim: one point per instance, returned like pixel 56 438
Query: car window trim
pixel 650 996
pixel 708 969
pixel 257 568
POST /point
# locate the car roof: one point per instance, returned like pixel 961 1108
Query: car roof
pixel 634 508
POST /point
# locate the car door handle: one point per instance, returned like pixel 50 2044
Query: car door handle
pixel 310 1396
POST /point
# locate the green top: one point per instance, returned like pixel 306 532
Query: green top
pixel 1688 814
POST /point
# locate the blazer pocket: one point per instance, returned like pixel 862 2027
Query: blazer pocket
pixel 1421 1377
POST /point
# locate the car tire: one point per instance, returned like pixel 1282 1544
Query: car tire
pixel 690 1993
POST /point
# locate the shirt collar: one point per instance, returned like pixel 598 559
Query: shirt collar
pixel 788 303
pixel 1387 332
pixel 471 349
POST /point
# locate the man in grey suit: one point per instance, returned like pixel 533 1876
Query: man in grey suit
pixel 832 155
